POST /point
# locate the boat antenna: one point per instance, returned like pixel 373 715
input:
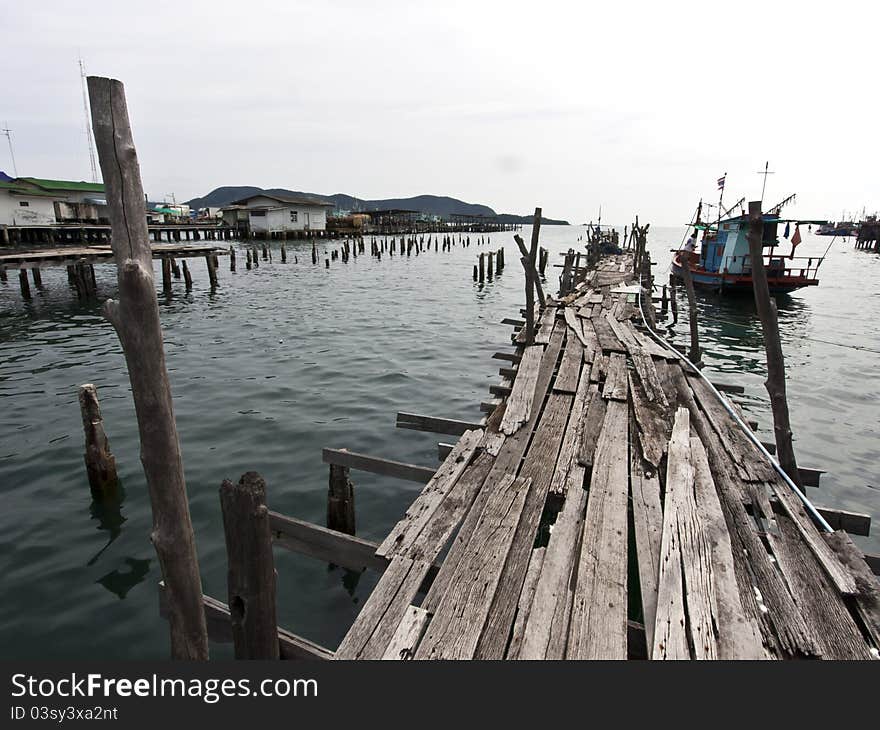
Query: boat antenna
pixel 766 171
pixel 8 132
pixel 91 142
pixel 777 209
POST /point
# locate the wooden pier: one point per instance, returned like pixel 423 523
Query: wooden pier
pixel 609 507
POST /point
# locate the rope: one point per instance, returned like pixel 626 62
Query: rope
pixel 814 513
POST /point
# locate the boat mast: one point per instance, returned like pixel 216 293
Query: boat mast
pixel 91 142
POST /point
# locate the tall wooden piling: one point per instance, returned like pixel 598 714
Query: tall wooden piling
pixel 100 463
pixel 340 500
pixel 166 273
pixel 775 382
pixel 251 568
pixel 694 353
pixel 482 265
pixel 135 317
pixel 37 277
pixel 526 253
pixel 231 259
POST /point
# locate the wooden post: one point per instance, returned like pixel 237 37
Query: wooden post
pixel 175 268
pixel 38 278
pixel 166 273
pixel 314 253
pixel 482 268
pixel 664 302
pixel 187 277
pixel 251 568
pixel 3 274
pixel 135 317
pixel 283 254
pixel 340 500
pixel 212 270
pixel 248 259
pixel 694 352
pixel 100 464
pixel 23 282
pixel 231 258
pixel 536 279
pixel 775 382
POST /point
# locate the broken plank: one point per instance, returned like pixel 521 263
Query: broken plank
pixel 592 427
pixel 526 598
pixel 519 403
pixel 433 424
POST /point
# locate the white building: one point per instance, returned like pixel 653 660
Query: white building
pixel 30 201
pixel 25 206
pixel 269 213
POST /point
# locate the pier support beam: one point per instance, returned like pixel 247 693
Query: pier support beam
pixel 135 317
pixel 340 500
pixel 251 574
pixel 775 382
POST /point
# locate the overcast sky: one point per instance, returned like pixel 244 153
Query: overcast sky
pixel 638 107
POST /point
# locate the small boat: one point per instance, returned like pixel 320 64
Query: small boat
pixel 723 263
pixel 843 228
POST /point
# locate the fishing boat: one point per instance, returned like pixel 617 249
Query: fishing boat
pixel 842 228
pixel 723 263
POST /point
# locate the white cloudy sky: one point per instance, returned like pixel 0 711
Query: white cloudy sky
pixel 638 107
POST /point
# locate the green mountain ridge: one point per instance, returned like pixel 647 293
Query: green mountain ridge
pixel 430 204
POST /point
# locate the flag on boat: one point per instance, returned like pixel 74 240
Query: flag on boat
pixel 795 239
pixel 787 230
pixel 721 181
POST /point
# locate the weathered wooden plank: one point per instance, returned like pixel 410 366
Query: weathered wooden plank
pixel 568 472
pixel 519 403
pixel 855 523
pixel 546 323
pixel 644 366
pixel 406 638
pixel 408 531
pixel 794 508
pixel 570 367
pixel 599 368
pixel 598 616
pixel 373 629
pixel 321 543
pixel 526 598
pixel 739 636
pixel 826 614
pixel 648 527
pixel 649 345
pixel 654 426
pixel 378 465
pixel 623 334
pixel 575 327
pixel 592 427
pixel 867 601
pixel 591 340
pixel 607 339
pixel 434 424
pixel 670 627
pixel 616 385
pixel 538 466
pixel 458 622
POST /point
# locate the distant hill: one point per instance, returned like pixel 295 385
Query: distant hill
pixel 430 204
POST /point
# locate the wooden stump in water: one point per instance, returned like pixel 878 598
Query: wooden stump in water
pixel 38 278
pixel 482 268
pixel 212 270
pixel 247 261
pixel 23 282
pixel 166 274
pixel 100 463
pixel 340 500
pixel 283 254
pixel 231 259
pixel 175 268
pixel 251 568
pixel 187 277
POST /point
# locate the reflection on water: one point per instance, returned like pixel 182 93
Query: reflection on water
pixel 285 359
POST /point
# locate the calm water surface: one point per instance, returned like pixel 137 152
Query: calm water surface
pixel 288 358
